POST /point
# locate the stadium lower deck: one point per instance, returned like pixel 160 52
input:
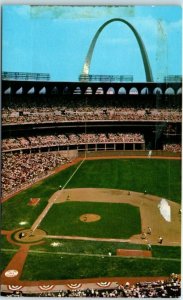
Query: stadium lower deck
pixel 45 129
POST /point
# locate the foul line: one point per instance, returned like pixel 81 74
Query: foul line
pixel 49 205
pixel 95 255
pixel 83 238
pixel 102 255
pixel 73 174
pixel 95 239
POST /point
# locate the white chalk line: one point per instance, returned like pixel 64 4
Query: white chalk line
pixel 73 174
pixel 93 255
pixel 83 238
pixel 49 205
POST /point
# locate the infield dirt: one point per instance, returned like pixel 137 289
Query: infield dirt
pixel 149 211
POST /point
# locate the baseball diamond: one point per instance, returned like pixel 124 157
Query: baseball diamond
pixel 61 234
pixel 91 163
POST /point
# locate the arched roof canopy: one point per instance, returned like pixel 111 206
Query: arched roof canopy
pixel 145 91
pixel 157 91
pixel 179 92
pixel 88 91
pixel 110 91
pixel 133 91
pixel 169 91
pixel 122 91
pixel 77 91
pixel 99 91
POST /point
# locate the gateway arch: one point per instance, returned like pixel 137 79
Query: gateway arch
pixel 146 63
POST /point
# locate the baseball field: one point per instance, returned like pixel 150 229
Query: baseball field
pixel 75 221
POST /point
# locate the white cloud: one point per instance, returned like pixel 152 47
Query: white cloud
pixel 174 26
pixel 21 10
pixel 83 12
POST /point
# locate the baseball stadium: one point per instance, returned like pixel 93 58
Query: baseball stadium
pixel 91 183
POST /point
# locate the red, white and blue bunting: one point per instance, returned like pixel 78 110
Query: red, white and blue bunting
pixel 46 287
pixel 74 285
pixel 14 287
pixel 104 284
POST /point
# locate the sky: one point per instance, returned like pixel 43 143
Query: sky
pixel 56 39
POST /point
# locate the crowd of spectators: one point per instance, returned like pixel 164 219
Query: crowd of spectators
pixel 172 147
pixel 60 109
pixel 19 170
pixel 87 113
pixel 157 289
pixel 70 139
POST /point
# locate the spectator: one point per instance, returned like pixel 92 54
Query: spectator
pixel 19 170
pixel 170 288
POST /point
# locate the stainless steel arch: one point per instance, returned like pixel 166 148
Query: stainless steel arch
pixel 147 67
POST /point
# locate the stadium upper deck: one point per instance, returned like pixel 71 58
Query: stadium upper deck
pixel 152 110
pixel 91 88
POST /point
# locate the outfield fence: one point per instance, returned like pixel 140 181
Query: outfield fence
pixel 154 153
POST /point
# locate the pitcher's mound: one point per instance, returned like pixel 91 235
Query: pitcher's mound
pixel 90 218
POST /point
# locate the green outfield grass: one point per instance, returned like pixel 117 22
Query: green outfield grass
pixel 17 209
pixel 166 251
pixel 85 247
pixel 157 177
pixel 73 259
pixel 4 244
pixel 7 251
pixel 5 259
pixel 68 266
pixel 117 220
pixel 103 248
